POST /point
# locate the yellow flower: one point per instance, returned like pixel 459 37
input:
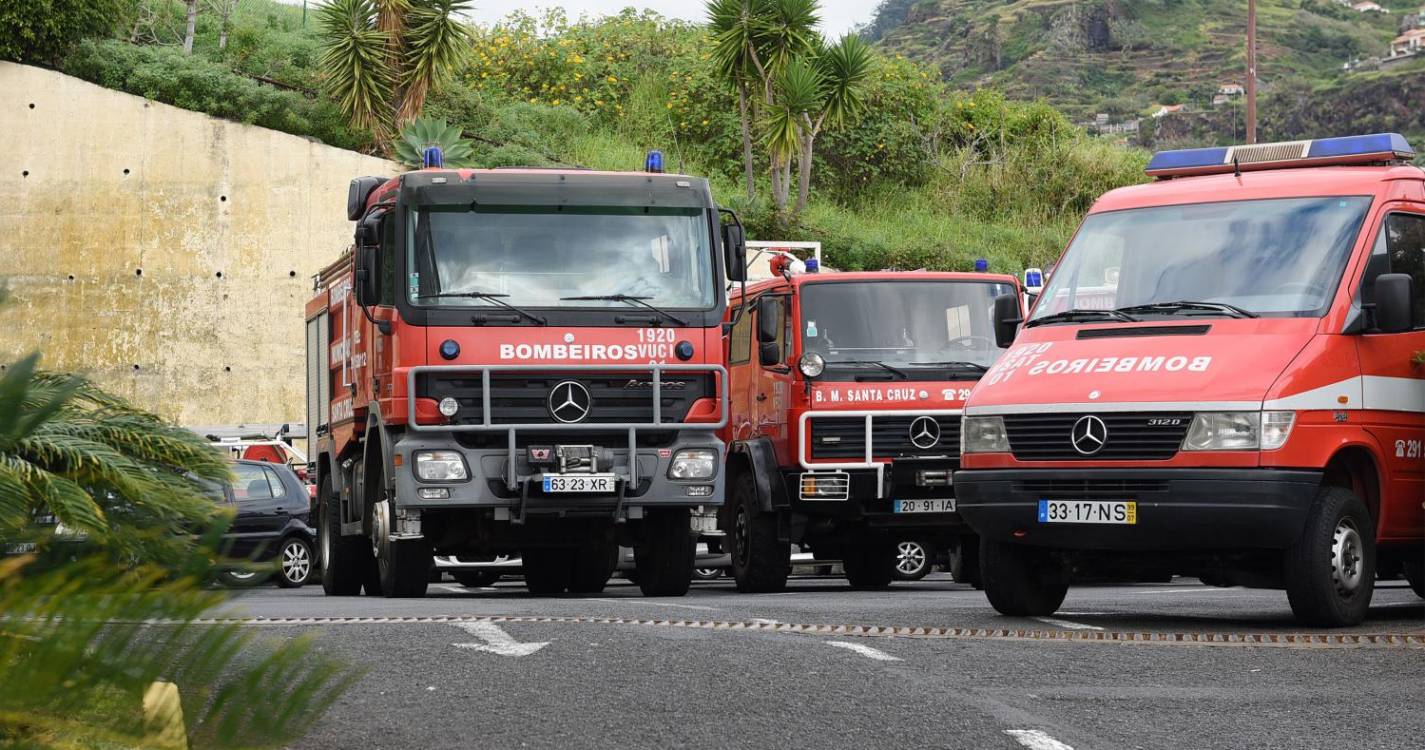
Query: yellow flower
pixel 612 79
pixel 555 102
pixel 705 122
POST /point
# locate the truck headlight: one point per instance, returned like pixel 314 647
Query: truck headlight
pixel 441 466
pixel 693 463
pixel 1239 430
pixel 811 364
pixel 983 435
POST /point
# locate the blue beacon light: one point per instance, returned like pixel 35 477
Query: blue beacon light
pixel 654 163
pixel 449 349
pixel 981 265
pixel 432 157
pixel 812 265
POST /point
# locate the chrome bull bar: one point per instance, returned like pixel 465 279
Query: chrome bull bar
pixel 487 424
pixel 868 461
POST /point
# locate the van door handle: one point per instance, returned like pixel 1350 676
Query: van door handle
pixel 761 397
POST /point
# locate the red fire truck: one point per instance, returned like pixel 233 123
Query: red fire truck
pixel 521 362
pixel 846 398
pixel 1219 380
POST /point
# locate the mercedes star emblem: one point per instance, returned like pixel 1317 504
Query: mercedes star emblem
pixel 1089 435
pixel 569 402
pixel 924 432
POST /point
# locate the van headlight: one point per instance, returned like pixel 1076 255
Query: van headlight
pixel 693 463
pixel 441 466
pixel 983 435
pixel 1239 430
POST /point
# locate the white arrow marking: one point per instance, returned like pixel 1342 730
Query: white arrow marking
pixel 496 641
pixel 866 651
pixel 1066 623
pixel 1036 740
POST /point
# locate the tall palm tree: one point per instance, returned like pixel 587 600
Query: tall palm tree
pixel 841 72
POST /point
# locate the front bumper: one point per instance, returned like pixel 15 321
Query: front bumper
pixel 873 493
pixel 1178 510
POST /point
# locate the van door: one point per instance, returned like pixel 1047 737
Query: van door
pixel 1393 384
pixel 774 386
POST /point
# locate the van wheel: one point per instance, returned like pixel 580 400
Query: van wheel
pixel 664 552
pixel 869 565
pixel 294 562
pixel 1415 574
pixel 1330 571
pixel 403 564
pixel 760 563
pixel 546 571
pixel 1021 581
pixel 591 567
pixel 346 560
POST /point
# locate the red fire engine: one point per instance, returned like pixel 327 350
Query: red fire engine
pixel 521 362
pixel 846 398
pixel 1218 381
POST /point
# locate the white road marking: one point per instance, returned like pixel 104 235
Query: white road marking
pixel 496 640
pixel 1191 590
pixel 866 651
pixel 1036 740
pixel 765 621
pixel 646 603
pixel 1066 623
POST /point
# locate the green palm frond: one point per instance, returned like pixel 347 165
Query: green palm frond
pixel 799 90
pixel 787 31
pixel 436 41
pixel 425 132
pixel 354 60
pixel 736 27
pixel 846 68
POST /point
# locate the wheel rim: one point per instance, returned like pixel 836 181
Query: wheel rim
pixel 742 533
pixel 380 527
pixel 324 535
pixel 296 561
pixel 241 575
pixel 1347 558
pixel 707 572
pixel 910 558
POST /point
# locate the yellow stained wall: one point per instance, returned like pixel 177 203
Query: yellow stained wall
pixel 166 253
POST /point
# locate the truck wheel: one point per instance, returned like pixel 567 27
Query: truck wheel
pixel 1330 571
pixel 474 579
pixel 403 564
pixel 592 566
pixel 546 571
pixel 1021 581
pixel 664 552
pixel 760 563
pixel 1415 574
pixel 294 562
pixel 346 560
pixel 913 560
pixel 869 565
pixel 965 562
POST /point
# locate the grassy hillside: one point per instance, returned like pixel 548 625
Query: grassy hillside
pixel 1121 56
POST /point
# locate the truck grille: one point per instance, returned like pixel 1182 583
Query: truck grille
pixel 524 399
pixel 1132 436
pixel 845 437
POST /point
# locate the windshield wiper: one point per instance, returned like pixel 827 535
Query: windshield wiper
pixel 876 362
pixel 953 363
pixel 1069 316
pixel 1172 307
pixel 640 301
pixel 497 299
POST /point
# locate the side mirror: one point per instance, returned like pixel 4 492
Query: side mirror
pixel 1393 295
pixel 769 319
pixel 1007 319
pixel 769 354
pixel 368 290
pixel 734 244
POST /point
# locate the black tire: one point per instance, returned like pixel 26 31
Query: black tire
pixel 592 566
pixel 1330 571
pixel 760 563
pixel 546 571
pixel 664 552
pixel 912 560
pixel 869 565
pixel 475 579
pixel 346 560
pixel 403 565
pixel 1021 581
pixel 294 563
pixel 965 563
pixel 707 574
pixel 1415 574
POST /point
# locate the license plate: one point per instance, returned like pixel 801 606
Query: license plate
pixel 590 483
pixel 938 505
pixel 1088 511
pixel 20 548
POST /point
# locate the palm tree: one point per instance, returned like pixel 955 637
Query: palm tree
pixel 382 58
pixel 840 72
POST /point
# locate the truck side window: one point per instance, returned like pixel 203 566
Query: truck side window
pixel 779 309
pixel 1400 248
pixel 740 342
pixel 387 258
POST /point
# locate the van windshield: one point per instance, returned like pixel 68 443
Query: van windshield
pixel 918 327
pixel 1278 257
pixel 534 256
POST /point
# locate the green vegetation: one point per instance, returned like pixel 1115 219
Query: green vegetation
pixel 42 31
pixel 429 132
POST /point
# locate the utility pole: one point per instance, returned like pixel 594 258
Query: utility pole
pixel 1251 71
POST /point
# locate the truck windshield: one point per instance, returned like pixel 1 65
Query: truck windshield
pixel 541 256
pixel 1278 257
pixel 918 327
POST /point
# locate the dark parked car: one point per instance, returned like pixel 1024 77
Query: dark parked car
pixel 271 524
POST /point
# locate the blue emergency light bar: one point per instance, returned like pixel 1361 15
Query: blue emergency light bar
pixel 1353 150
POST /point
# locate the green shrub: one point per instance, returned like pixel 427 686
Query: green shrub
pixel 42 31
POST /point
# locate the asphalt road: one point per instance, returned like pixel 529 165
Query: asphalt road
pixel 496 668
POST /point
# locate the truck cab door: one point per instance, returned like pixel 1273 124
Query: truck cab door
pixel 773 386
pixel 1394 391
pixel 742 371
